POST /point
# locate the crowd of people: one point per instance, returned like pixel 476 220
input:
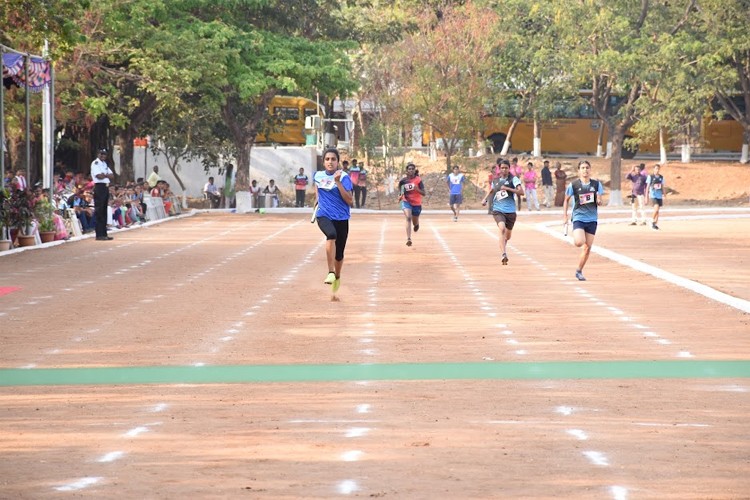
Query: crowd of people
pixel 74 193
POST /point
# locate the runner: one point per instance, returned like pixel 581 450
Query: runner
pixel 456 186
pixel 655 183
pixel 333 196
pixel 587 196
pixel 503 191
pixel 411 188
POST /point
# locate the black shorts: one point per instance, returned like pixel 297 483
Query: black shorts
pixel 509 219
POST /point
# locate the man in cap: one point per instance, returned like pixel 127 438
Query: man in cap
pixel 102 175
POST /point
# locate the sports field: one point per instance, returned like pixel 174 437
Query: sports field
pixel 204 358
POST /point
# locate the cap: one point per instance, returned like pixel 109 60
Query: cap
pixel 104 151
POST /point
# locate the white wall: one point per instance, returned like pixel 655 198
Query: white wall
pixel 266 162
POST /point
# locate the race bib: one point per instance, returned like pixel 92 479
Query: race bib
pixel 409 186
pixel 326 183
pixel 501 195
pixel 657 186
pixel 585 198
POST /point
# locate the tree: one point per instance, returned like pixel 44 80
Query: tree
pixel 616 50
pixel 441 71
pixel 722 31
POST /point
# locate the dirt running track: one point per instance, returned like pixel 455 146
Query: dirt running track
pixel 204 358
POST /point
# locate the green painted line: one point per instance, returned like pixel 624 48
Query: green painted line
pixel 232 374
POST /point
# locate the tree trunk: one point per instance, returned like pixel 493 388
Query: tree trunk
pixel 617 139
pixel 745 147
pixel 600 140
pixel 537 153
pixel 508 136
pixel 125 141
pixel 662 148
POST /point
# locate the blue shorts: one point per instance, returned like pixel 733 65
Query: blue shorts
pixel 456 199
pixel 415 209
pixel 588 227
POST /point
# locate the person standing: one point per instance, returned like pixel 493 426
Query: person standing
pixel 411 188
pixel 255 192
pixel 656 192
pixel 587 196
pixel 529 187
pixel 502 192
pixel 548 188
pixel 456 181
pixel 300 188
pixel 560 177
pixel 353 172
pixel 153 178
pixel 102 176
pixel 272 190
pixel 517 171
pixel 333 197
pixel 638 193
pixel 362 185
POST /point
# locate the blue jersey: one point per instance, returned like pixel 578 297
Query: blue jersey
pixel 330 202
pixel 456 182
pixel 585 201
pixel 504 201
pixel 655 185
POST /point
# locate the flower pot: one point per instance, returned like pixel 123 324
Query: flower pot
pixel 25 240
pixel 4 245
pixel 47 236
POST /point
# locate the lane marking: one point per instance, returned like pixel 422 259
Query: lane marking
pixel 227 374
pixel 693 286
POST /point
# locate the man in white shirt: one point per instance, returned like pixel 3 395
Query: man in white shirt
pixel 102 175
pixel 212 193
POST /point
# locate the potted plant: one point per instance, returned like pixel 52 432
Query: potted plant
pixel 43 210
pixel 22 216
pixel 5 224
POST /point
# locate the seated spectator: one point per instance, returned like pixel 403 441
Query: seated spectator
pixel 255 192
pixel 83 210
pixel 212 193
pixel 272 190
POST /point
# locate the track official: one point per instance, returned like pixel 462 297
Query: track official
pixel 101 174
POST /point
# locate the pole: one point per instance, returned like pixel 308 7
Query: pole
pixel 47 130
pixel 2 116
pixel 28 121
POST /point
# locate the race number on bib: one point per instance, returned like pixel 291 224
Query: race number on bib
pixel 657 186
pixel 585 198
pixel 501 195
pixel 326 183
pixel 409 186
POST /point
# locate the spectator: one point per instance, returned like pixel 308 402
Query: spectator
pixel 354 171
pixel 255 192
pixel 272 190
pixel 362 185
pixel 548 188
pixel 560 177
pixel 85 213
pixel 638 193
pixel 516 170
pixel 19 181
pixel 212 193
pixel 529 185
pixel 300 188
pixel 154 177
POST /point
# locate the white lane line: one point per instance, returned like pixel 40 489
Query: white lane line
pixel 135 431
pixel 363 408
pixel 597 458
pixel 351 456
pixel 578 434
pixel 111 456
pixel 693 286
pixel 347 487
pixel 619 492
pixel 82 483
pixel 357 432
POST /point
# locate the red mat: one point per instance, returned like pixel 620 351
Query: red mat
pixel 5 290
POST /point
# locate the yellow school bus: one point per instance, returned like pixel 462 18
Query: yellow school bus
pixel 577 132
pixel 287 120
